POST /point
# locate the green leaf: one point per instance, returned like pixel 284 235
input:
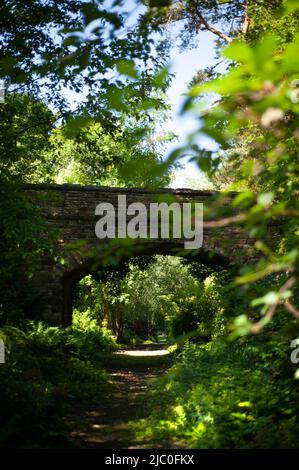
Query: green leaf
pixel 241 325
pixel 244 404
pixel 244 197
pixel 290 6
pixel 269 299
pixel 239 52
pixel 205 164
pixel 265 199
pixel 127 67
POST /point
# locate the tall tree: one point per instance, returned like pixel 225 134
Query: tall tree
pixel 224 19
pixel 26 124
pixel 48 46
pixel 128 156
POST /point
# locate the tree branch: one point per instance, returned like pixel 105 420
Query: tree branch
pixel 246 21
pixel 270 313
pixel 293 310
pixel 224 221
pixel 211 28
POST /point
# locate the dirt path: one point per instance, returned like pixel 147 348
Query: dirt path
pixel 106 424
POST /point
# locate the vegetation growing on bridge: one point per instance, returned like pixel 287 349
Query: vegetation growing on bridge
pixel 232 383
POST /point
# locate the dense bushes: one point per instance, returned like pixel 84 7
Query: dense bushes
pixel 24 240
pixel 165 296
pixel 230 394
pixel 46 369
pixel 88 336
pixel 202 313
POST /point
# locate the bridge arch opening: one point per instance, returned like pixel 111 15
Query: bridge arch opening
pixel 92 266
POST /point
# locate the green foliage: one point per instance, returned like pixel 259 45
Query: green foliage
pixel 26 123
pixel 220 393
pixel 226 394
pixel 45 48
pixel 87 298
pixel 158 295
pixel 269 17
pixel 243 393
pixel 47 369
pixel 88 335
pixel 257 107
pixel 125 155
pixel 224 19
pixel 201 314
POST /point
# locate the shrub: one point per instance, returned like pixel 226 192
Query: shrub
pixel 225 394
pixel 46 369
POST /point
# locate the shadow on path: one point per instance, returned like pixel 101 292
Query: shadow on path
pixel 106 424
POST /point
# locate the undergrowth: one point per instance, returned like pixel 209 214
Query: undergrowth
pixel 46 370
pixel 227 394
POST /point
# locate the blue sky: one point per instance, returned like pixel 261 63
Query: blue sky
pixel 184 65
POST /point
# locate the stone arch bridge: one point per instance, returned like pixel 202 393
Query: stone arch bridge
pixel 69 211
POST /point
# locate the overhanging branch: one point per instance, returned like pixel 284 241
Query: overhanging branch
pixel 246 21
pixel 209 27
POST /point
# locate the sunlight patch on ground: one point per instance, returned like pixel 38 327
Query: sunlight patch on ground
pixel 140 353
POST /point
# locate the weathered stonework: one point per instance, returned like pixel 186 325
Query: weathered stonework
pixel 70 210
